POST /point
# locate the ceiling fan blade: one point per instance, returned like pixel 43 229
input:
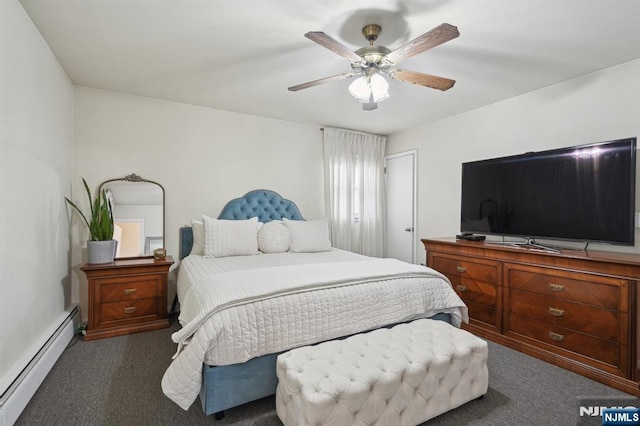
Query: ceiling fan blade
pixel 333 45
pixel 321 81
pixel 421 79
pixel 430 39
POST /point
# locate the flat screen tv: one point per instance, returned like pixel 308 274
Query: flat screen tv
pixel 582 193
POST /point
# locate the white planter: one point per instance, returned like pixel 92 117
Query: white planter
pixel 101 251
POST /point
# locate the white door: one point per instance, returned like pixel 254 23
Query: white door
pixel 400 180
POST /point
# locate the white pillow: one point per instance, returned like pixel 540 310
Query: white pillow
pixel 230 237
pixel 274 237
pixel 308 235
pixel 197 228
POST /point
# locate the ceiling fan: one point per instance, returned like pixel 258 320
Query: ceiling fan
pixel 371 63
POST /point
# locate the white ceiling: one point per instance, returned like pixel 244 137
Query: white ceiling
pixel 242 55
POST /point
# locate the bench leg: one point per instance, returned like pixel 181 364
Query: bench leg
pixel 480 397
pixel 219 415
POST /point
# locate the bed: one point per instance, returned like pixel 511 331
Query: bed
pixel 239 311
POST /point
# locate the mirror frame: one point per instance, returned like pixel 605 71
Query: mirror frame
pixel 138 179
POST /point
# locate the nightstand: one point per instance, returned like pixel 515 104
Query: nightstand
pixel 127 296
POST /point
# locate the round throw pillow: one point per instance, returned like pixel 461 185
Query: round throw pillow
pixel 274 237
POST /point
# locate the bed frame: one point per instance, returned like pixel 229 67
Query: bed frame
pixel 228 386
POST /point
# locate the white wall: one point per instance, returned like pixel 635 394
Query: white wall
pixel 201 156
pixel 36 131
pixel 601 106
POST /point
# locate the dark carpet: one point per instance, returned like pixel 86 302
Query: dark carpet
pixel 116 381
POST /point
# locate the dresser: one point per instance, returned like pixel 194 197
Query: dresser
pixel 575 309
pixel 127 296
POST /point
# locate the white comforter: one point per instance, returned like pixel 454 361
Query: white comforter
pixel 196 268
pixel 231 317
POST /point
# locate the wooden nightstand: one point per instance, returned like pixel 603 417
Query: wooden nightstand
pixel 127 296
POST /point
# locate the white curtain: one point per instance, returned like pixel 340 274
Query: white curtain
pixel 354 190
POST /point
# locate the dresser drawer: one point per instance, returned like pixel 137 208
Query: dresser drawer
pixel 116 311
pixel 564 313
pixel 592 290
pixel 129 288
pixel 466 267
pixel 484 314
pixel 559 337
pixel 473 291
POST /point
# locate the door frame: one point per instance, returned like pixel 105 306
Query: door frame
pixel 414 154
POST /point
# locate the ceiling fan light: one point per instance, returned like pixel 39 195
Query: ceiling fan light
pixel 360 89
pixel 379 88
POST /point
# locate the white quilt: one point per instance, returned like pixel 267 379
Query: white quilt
pixel 195 268
pixel 232 317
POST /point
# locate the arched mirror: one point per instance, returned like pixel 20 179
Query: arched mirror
pixel 138 214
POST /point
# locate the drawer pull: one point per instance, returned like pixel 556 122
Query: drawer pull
pixel 130 290
pixel 129 310
pixel 556 312
pixel 555 336
pixel 461 288
pixel 556 287
pixel 461 269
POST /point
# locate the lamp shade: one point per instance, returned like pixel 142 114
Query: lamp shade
pixel 360 89
pixel 379 88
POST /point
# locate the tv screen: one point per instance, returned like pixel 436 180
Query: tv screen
pixel 582 193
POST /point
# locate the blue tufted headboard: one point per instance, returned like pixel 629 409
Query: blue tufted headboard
pixel 264 204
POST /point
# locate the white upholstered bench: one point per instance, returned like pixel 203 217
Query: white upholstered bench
pixel 404 375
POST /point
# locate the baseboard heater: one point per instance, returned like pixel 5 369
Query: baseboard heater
pixel 18 394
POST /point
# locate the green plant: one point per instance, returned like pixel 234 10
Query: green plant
pixel 101 224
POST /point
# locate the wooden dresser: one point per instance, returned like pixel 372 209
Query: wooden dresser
pixel 576 309
pixel 127 296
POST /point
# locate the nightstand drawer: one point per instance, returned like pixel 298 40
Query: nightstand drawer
pixel 129 288
pixel 576 316
pixel 116 311
pixel 593 290
pixel 466 267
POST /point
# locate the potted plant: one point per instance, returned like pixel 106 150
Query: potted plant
pixel 101 248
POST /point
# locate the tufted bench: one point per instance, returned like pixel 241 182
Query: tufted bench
pixel 404 375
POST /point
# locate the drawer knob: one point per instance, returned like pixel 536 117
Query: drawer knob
pixel 556 287
pixel 555 336
pixel 130 290
pixel 556 312
pixel 129 310
pixel 461 269
pixel 461 288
